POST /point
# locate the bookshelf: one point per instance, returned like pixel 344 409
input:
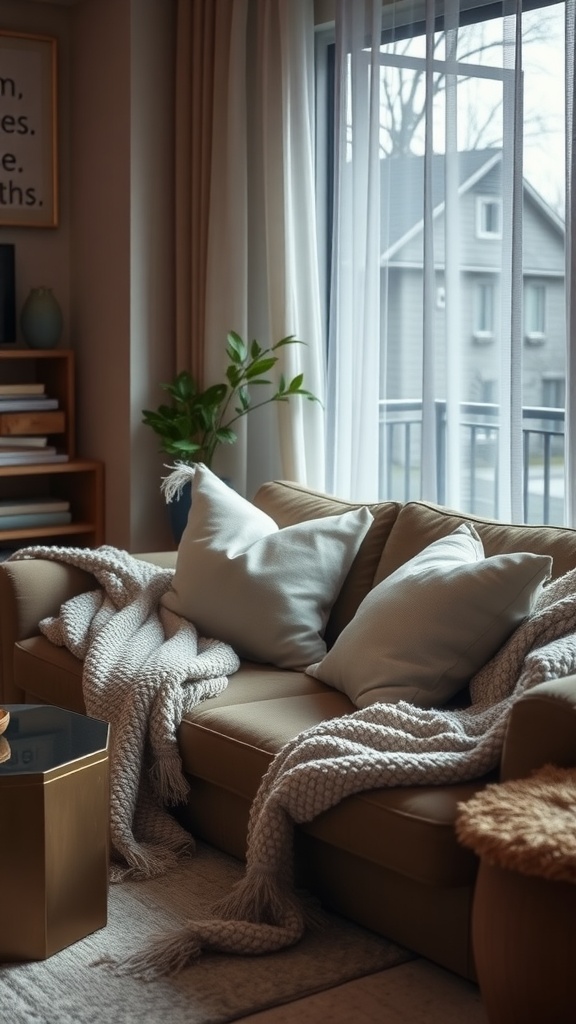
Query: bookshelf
pixel 78 482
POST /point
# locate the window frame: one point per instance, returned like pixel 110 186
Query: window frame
pixel 483 203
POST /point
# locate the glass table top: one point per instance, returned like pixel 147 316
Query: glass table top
pixel 40 737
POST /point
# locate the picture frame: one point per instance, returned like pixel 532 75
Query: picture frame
pixel 28 130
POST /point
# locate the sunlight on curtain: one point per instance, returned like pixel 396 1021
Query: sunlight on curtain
pixel 447 327
pixel 261 263
pixel 570 464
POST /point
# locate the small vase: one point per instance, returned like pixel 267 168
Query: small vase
pixel 41 319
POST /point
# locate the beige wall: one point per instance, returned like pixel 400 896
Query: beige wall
pixel 110 259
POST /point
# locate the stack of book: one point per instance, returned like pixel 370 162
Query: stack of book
pixel 34 512
pixel 17 446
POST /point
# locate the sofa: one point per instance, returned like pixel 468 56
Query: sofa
pixel 386 858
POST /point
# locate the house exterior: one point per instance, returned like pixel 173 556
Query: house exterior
pixel 480 220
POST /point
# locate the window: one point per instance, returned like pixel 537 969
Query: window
pixel 553 391
pixel 488 218
pixel 488 391
pixel 446 250
pixel 484 312
pixel 534 313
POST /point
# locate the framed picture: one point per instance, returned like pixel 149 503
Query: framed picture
pixel 28 142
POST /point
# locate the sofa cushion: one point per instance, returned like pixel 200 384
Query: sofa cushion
pixel 229 741
pixel 425 630
pixel 288 503
pixel 419 523
pixel 267 592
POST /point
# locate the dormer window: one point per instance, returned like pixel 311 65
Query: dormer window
pixel 488 217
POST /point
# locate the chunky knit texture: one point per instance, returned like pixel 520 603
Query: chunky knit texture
pixel 144 668
pixel 382 745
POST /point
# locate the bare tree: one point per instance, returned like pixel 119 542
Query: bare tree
pixel 402 83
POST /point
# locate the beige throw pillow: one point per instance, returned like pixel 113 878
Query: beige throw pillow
pixel 422 633
pixel 267 592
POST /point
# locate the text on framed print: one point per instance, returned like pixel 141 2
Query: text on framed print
pixel 28 150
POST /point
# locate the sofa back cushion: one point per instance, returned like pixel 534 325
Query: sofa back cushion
pixel 419 523
pixel 288 503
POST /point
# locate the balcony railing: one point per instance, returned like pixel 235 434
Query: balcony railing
pixel 542 453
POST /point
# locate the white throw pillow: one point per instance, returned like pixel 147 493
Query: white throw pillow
pixel 267 592
pixel 422 633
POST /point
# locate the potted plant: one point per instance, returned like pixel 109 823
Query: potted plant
pixel 197 421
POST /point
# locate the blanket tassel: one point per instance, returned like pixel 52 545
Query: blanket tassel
pixel 258 917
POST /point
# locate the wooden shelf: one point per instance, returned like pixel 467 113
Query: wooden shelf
pixel 79 481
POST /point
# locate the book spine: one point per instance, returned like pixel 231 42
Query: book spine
pixel 27 520
pixel 26 441
pixel 32 423
pixel 22 389
pixel 31 458
pixel 31 506
pixel 27 404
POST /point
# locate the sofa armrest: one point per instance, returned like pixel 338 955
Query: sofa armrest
pixel 30 591
pixel 541 729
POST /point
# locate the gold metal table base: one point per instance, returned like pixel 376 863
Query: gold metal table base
pixel 54 856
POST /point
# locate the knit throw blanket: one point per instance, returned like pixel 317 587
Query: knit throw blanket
pixel 382 745
pixel 144 668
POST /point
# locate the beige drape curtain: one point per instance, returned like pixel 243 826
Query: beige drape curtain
pixel 195 34
pixel 245 216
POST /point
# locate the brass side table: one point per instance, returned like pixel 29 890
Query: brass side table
pixel 54 830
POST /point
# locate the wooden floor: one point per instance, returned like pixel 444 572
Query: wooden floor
pixel 414 993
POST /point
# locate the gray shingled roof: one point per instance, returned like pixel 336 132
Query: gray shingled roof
pixel 405 174
pixel 401 175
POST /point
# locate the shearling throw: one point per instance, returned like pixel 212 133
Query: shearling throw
pixel 382 745
pixel 525 825
pixel 144 668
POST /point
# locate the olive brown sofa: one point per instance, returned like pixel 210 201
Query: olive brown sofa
pixel 386 858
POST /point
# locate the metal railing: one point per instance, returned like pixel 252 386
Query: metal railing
pixel 542 454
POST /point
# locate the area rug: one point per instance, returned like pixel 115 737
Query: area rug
pixel 68 989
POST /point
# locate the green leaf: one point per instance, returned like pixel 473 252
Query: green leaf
pixel 234 375
pixel 260 366
pixel 213 396
pixel 291 339
pixel 244 399
pixel 226 435
pixel 255 350
pixel 295 384
pixel 236 348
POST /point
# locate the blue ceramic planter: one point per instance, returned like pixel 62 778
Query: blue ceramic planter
pixel 41 319
pixel 178 510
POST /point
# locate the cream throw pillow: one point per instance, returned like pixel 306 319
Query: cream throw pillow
pixel 422 633
pixel 267 592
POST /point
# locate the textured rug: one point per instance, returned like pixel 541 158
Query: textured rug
pixel 68 989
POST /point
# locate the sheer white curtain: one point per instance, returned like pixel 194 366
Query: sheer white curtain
pixel 448 279
pixel 262 269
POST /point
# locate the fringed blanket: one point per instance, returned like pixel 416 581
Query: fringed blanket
pixel 125 648
pixel 144 668
pixel 383 745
